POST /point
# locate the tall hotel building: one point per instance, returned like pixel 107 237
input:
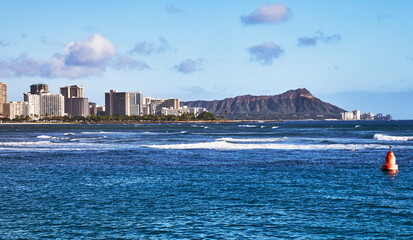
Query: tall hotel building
pixel 75 103
pixel 3 96
pixel 38 88
pixel 43 103
pixel 123 103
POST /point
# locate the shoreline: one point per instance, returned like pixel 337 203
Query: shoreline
pixel 194 122
pixel 145 122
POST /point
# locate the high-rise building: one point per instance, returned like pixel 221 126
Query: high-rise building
pixel 75 107
pixel 45 104
pixel 34 101
pixel 52 104
pixel 72 91
pixel 3 96
pixel 15 109
pixel 123 103
pixel 170 103
pixel 78 106
pixel 38 88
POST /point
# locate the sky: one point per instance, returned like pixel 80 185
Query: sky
pixel 353 54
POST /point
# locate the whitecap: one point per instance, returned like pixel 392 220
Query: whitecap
pixel 44 136
pixel 250 126
pixel 274 127
pixel 382 137
pixel 252 139
pixel 224 145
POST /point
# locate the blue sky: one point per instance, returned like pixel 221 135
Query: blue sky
pixel 351 53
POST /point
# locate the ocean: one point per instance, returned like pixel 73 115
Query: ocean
pixel 263 180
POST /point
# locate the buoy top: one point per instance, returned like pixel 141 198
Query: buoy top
pixel 390 158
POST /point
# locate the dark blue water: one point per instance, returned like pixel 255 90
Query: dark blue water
pixel 214 181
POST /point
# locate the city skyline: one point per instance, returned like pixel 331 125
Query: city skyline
pixel 344 53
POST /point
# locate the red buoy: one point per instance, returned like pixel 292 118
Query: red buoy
pixel 390 164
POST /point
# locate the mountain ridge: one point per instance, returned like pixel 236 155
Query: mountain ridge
pixel 292 104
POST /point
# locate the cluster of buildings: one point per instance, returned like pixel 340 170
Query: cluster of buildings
pixel 355 115
pixel 39 103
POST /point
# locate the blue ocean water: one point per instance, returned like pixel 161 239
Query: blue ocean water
pixel 300 180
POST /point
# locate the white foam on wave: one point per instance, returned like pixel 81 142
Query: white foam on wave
pixel 44 136
pixel 69 134
pixel 44 146
pixel 252 139
pixel 224 145
pixel 248 126
pixel 382 137
pixel 274 127
pixel 17 144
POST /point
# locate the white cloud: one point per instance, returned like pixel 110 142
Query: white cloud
pixel 79 59
pixel 94 51
pixel 268 13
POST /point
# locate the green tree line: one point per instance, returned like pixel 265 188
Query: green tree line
pixel 205 116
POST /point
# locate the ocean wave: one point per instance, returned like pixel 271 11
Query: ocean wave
pixel 224 145
pixel 44 136
pixel 16 144
pixel 274 127
pixel 102 132
pixel 252 139
pixel 382 137
pixel 69 134
pixel 248 126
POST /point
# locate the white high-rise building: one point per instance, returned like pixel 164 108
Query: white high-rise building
pixel 34 101
pixel 45 104
pixel 13 109
pixel 52 105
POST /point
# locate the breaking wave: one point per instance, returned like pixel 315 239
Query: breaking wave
pixel 224 145
pixel 382 137
pixel 252 139
pixel 44 136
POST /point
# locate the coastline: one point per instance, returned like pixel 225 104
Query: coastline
pixel 144 122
